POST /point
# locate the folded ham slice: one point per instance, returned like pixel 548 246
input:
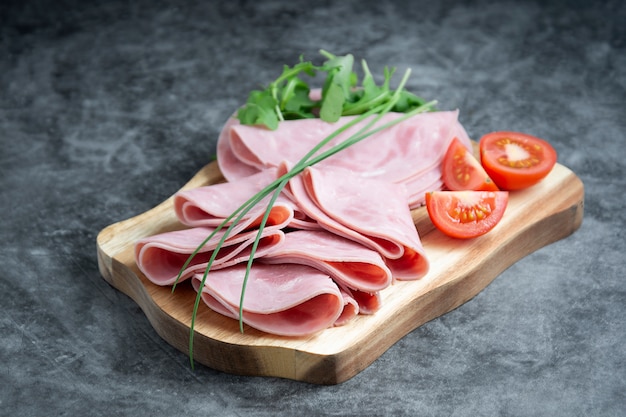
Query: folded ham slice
pixel 287 300
pixel 369 303
pixel 230 166
pixel 161 257
pixel 212 204
pixel 369 211
pixel 347 262
pixel 402 153
pixel 350 308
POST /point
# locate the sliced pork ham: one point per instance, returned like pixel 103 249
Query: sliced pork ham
pixel 417 187
pixel 369 303
pixel 369 211
pixel 210 205
pixel 402 153
pixel 349 263
pixel 230 166
pixel 286 300
pixel 161 257
pixel 350 308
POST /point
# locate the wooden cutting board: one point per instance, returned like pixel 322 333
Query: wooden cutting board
pixel 535 217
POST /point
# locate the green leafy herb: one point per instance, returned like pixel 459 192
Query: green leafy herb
pixel 285 98
pixel 259 109
pixel 289 96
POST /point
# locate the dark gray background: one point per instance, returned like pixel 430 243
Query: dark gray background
pixel 107 108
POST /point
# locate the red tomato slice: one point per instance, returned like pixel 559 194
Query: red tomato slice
pixel 462 171
pixel 516 160
pixel 466 214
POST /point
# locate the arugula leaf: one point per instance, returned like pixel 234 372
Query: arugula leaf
pixel 295 101
pixel 407 102
pixel 332 103
pixel 370 95
pixel 259 110
pixel 339 69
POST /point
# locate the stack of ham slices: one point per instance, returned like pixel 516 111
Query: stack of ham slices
pixel 338 234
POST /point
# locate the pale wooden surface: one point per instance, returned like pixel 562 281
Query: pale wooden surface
pixel 459 270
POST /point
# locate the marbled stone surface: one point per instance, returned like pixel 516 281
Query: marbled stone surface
pixel 107 108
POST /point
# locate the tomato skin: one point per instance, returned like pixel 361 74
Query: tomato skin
pixel 534 160
pixel 466 214
pixel 462 171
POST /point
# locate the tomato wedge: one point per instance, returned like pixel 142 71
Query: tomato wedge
pixel 462 171
pixel 466 214
pixel 516 160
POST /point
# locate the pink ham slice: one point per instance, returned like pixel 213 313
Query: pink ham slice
pixel 286 300
pixel 347 262
pixel 211 205
pixel 161 257
pixel 369 211
pixel 230 166
pixel 400 154
pixel 368 303
pixel 419 186
pixel 350 308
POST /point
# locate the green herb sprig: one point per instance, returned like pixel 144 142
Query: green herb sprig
pixel 270 106
pixel 288 97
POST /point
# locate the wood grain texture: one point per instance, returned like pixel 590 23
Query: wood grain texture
pixel 535 217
